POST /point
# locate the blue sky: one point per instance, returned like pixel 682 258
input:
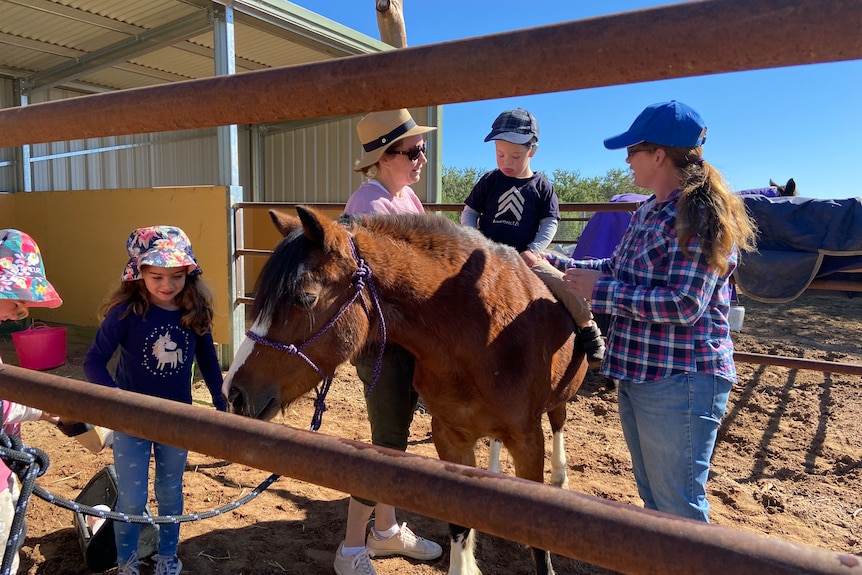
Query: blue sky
pixel 803 122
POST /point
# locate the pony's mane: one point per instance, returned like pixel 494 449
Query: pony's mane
pixel 279 277
pixel 428 230
pixel 406 226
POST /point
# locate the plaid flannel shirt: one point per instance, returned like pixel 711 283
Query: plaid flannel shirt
pixel 669 312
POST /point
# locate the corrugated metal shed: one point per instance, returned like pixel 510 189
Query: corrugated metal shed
pixel 53 49
pixel 94 45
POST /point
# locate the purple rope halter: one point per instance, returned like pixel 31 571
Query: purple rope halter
pixel 361 277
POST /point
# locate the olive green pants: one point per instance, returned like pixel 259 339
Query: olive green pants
pixel 393 400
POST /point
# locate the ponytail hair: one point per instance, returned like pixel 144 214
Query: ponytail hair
pixel 709 210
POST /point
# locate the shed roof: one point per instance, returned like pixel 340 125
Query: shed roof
pixel 100 45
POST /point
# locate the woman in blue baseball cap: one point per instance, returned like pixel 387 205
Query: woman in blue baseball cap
pixel 667 290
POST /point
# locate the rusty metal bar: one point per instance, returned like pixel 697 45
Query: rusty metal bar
pixel 565 207
pixel 835 285
pixel 251 252
pixel 696 38
pixel 565 522
pixel 798 363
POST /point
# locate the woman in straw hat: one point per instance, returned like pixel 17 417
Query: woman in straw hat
pixel 394 153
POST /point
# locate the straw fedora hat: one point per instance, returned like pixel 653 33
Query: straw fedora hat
pixel 379 130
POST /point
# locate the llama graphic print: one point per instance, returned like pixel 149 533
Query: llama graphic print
pixel 509 206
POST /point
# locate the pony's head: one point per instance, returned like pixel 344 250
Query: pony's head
pixel 788 189
pixel 295 339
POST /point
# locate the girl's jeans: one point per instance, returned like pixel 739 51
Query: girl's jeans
pixel 132 463
pixel 670 426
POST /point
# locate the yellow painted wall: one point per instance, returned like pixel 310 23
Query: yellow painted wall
pixel 82 235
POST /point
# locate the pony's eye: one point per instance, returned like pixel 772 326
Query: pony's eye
pixel 304 299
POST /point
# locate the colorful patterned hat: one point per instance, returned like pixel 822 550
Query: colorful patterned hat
pixel 22 274
pixel 161 246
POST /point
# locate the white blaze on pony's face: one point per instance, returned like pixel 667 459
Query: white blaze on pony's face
pixel 244 351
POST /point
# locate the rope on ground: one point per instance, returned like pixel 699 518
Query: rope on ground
pixel 28 463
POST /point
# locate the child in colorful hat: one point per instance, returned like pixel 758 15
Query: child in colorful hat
pixel 160 318
pixel 22 285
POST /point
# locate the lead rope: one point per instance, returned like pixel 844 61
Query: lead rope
pixel 28 463
pixel 364 272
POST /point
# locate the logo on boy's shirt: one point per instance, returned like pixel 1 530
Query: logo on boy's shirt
pixel 510 203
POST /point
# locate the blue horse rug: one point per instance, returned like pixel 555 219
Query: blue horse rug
pixel 801 239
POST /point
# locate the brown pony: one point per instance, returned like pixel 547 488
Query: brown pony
pixel 494 351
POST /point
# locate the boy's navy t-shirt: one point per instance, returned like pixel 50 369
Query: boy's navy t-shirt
pixel 510 209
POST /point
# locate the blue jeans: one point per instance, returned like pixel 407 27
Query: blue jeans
pixel 132 463
pixel 670 426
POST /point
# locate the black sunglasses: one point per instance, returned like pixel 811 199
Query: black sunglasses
pixel 411 153
pixel 632 150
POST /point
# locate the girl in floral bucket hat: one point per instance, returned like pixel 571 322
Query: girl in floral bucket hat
pixel 160 246
pixel 22 285
pixel 22 277
pixel 160 318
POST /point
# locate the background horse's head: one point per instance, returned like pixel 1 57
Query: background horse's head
pixel 788 189
pixel 305 283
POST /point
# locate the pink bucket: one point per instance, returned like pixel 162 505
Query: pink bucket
pixel 40 347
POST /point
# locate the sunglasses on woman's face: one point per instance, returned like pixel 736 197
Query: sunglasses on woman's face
pixel 632 150
pixel 411 153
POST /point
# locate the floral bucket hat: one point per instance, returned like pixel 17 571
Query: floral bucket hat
pixel 161 246
pixel 22 273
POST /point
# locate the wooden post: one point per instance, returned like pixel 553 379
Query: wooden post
pixel 390 22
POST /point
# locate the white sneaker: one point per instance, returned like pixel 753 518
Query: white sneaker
pixel 167 565
pixel 130 567
pixel 359 564
pixel 406 543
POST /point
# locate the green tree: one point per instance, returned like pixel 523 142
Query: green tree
pixel 457 183
pixel 571 187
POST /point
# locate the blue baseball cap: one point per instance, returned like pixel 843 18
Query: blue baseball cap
pixel 666 124
pixel 517 126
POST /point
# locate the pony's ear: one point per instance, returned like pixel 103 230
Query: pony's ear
pixel 790 188
pixel 283 222
pixel 772 184
pixel 312 225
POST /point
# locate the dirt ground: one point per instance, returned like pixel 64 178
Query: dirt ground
pixel 788 464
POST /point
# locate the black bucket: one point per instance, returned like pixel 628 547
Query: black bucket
pixel 99 548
